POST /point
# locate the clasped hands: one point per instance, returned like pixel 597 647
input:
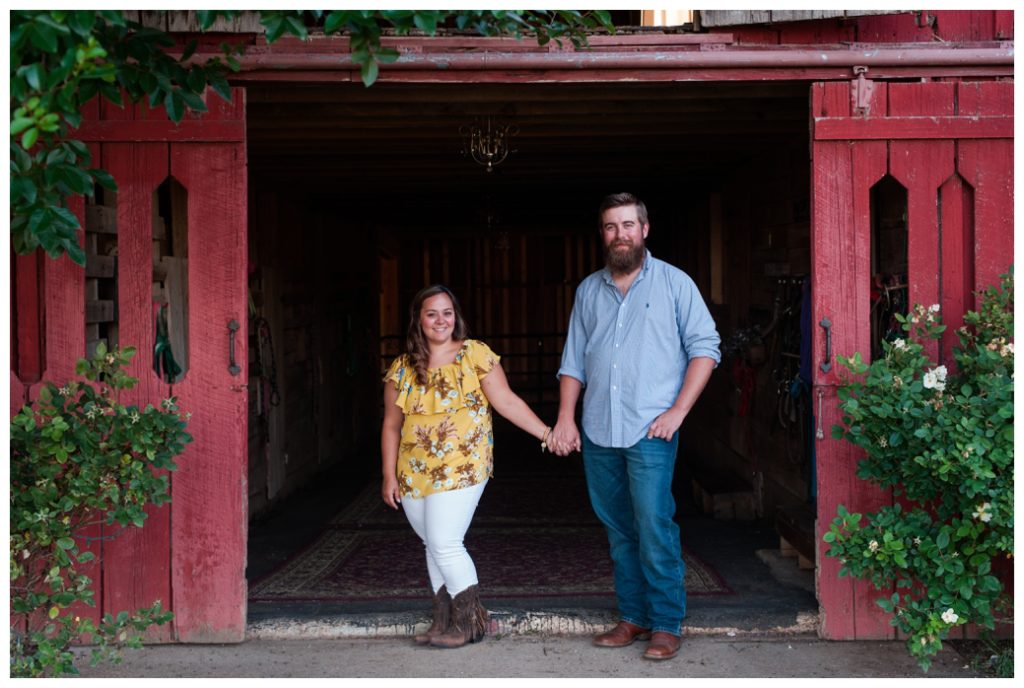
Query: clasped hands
pixel 565 437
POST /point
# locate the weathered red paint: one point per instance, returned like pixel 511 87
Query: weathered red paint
pixel 947 195
pixel 201 131
pixel 136 566
pixel 27 352
pixel 934 127
pixel 209 489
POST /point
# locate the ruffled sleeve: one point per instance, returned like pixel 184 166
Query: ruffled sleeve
pixel 477 360
pixel 400 374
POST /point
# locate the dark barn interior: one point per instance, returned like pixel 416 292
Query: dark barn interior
pixel 360 196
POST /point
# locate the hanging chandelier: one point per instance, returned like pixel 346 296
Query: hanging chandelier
pixel 486 141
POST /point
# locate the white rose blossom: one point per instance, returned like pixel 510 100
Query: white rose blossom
pixel 873 545
pixel 936 378
pixel 949 616
pixel 982 512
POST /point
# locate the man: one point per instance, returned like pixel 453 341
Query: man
pixel 642 342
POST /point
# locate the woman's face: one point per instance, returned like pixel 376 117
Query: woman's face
pixel 437 319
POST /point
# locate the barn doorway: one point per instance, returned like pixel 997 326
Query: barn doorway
pixel 359 197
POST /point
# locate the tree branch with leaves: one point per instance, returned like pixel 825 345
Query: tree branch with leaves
pixel 61 60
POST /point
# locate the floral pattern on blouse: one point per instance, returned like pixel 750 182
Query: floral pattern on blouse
pixel 447 441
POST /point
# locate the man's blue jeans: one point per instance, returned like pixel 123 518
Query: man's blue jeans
pixel 631 492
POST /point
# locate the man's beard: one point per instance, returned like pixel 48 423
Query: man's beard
pixel 626 261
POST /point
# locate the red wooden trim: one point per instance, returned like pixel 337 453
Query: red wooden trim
pixel 210 497
pixel 193 131
pixel 892 128
pixel 815 74
pixel 869 166
pixel 774 57
pixel 830 256
pixel 28 316
pixel 922 167
pixel 136 566
pixel 988 167
pixel 63 312
pixel 956 217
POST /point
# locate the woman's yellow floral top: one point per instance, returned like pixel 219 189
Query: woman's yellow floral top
pixel 447 441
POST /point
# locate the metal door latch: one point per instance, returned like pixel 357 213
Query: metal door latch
pixel 233 328
pixel 860 92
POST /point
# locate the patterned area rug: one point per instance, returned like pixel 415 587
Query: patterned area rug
pixel 531 537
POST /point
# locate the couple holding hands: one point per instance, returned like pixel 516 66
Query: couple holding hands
pixel 641 346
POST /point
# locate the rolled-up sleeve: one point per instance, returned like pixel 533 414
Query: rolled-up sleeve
pixel 696 326
pixel 575 345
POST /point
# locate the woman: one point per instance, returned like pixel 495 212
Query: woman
pixel 437 449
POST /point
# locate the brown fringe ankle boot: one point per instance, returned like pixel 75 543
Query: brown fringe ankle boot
pixel 468 623
pixel 442 617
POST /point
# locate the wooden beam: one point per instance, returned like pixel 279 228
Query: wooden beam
pixel 890 128
pixel 137 131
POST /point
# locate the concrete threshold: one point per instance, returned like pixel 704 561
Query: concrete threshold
pixel 567 622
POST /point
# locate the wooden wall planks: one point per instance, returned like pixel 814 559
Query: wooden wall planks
pixel 952 184
pixel 208 537
pixel 136 562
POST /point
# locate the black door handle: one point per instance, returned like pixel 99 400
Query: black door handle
pixel 233 328
pixel 827 325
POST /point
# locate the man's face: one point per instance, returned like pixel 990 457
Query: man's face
pixel 623 237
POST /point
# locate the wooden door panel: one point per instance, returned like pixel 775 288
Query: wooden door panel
pixel 136 562
pixel 960 227
pixel 196 568
pixel 209 488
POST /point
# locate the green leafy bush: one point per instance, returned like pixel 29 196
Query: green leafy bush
pixel 80 458
pixel 943 441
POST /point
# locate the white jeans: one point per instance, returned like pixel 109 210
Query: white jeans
pixel 441 520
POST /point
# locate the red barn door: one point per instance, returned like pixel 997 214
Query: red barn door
pixel 950 146
pixel 190 555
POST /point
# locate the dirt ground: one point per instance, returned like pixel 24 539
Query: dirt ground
pixel 534 657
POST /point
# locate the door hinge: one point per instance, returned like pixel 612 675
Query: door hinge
pixel 861 89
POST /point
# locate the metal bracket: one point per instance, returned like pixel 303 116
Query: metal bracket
pixel 861 90
pixel 233 328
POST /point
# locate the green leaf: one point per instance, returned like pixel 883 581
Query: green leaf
pixel 20 124
pixel 174 105
pixel 335 20
pixel 42 37
pixel 196 80
pixel 369 70
pixel 296 27
pixel 29 138
pixel 387 55
pixel 942 541
pixel 104 179
pixel 65 543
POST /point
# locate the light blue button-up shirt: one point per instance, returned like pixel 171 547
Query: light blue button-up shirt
pixel 631 352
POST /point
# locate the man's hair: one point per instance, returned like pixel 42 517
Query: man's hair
pixel 618 200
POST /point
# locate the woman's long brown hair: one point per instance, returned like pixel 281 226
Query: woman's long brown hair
pixel 415 343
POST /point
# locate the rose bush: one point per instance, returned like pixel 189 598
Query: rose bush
pixel 80 458
pixel 942 439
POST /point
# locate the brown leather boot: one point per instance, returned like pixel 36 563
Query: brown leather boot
pixel 442 617
pixel 468 623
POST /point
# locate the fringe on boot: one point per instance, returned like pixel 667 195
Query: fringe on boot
pixel 468 623
pixel 442 617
